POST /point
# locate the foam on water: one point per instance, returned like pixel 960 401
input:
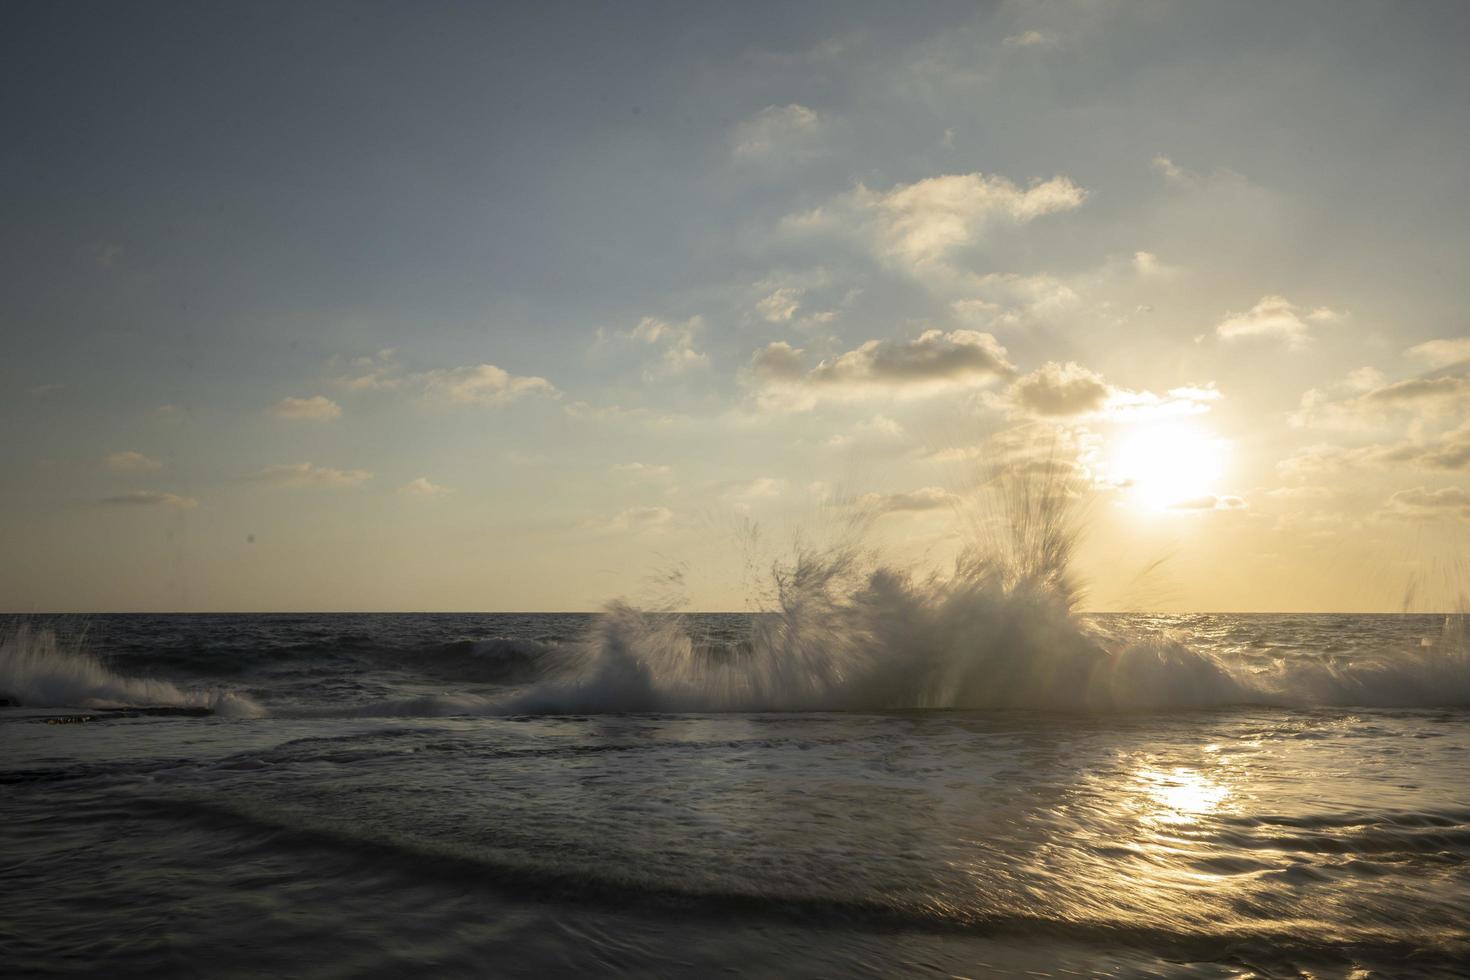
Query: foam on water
pixel 37 670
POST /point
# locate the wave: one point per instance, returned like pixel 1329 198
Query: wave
pixel 551 876
pixel 840 629
pixel 38 670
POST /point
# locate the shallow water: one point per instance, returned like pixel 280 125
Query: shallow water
pixel 362 803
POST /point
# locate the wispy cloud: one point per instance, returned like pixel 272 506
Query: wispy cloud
pixel 485 385
pixel 777 134
pixel 129 461
pixel 152 498
pixel 307 475
pixel 424 489
pixel 317 408
pixel 920 227
pixel 1275 318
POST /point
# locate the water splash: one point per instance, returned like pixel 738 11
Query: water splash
pixel 837 628
pixel 39 670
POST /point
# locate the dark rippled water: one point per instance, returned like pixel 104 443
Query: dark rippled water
pixel 363 795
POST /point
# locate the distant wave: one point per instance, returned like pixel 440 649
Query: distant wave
pixel 37 670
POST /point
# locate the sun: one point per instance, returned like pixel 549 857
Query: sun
pixel 1165 465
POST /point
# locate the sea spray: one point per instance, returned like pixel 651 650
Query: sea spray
pixel 838 628
pixel 39 670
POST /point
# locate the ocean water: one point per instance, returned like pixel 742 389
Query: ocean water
pixel 887 779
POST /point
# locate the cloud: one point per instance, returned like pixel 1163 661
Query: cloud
pixel 924 222
pixel 1060 389
pixel 317 408
pixel 637 518
pixel 919 227
pixel 380 372
pixel 1030 39
pixel 1431 504
pixel 1442 394
pixel 477 384
pixel 1274 318
pixel 1172 171
pixel 929 363
pixel 1147 265
pixel 1364 401
pixel 1069 390
pixel 924 499
pixel 152 498
pixel 1442 353
pixel 1179 176
pixel 1210 502
pixel 781 305
pixel 784 133
pixel 676 338
pixel 644 470
pixel 307 475
pixel 423 489
pixel 485 385
pixel 1441 452
pixel 130 461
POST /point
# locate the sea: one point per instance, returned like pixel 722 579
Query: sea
pixel 974 781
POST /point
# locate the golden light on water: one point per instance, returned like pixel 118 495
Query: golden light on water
pixel 1179 795
pixel 1168 465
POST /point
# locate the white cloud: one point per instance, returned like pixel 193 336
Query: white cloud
pixel 924 222
pixel 1274 318
pixel 1030 39
pixel 676 338
pixel 307 475
pixel 475 384
pixel 380 372
pixel 919 227
pixel 130 461
pixel 781 305
pixel 424 489
pixel 1147 265
pixel 152 498
pixel 785 132
pixel 485 384
pixel 316 408
pixel 1442 353
pixel 1172 172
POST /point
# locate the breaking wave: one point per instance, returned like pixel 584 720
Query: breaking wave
pixel 838 629
pixel 39 671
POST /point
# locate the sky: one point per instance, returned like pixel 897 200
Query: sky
pixel 459 306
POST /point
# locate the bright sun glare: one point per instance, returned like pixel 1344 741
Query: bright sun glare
pixel 1166 465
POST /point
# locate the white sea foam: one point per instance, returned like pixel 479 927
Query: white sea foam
pixel 38 670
